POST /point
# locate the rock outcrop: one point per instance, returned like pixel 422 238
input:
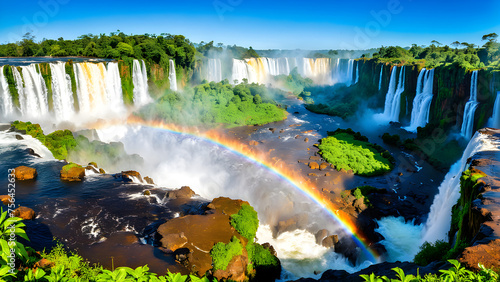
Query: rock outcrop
pixel 72 172
pixel 24 213
pixel 25 173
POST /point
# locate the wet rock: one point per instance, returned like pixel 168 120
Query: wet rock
pixel 19 137
pixel 226 205
pixel 24 213
pixel 129 175
pixel 235 271
pixel 91 168
pixel 272 129
pixel 146 193
pixel 25 173
pixel 5 199
pixel 315 158
pixel 101 171
pixel 297 136
pixel 314 165
pixel 400 174
pixel 253 143
pixel 72 173
pixel 295 125
pixel 306 139
pixel 312 174
pixel 173 242
pixel 93 164
pixel 323 166
pixel 185 193
pixel 32 152
pixel 320 235
pixel 282 130
pixel 330 241
pixel 327 174
pixel 149 180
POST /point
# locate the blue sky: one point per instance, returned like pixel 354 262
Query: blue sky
pixel 261 24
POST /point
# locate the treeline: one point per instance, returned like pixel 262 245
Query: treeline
pixel 465 55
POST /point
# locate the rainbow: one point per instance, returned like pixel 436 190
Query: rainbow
pixel 292 178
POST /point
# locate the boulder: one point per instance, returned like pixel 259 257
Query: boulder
pixel 185 193
pixel 149 180
pixel 5 199
pixel 101 171
pixel 235 271
pixel 320 235
pixel 173 242
pixel 226 205
pixel 130 174
pixel 323 166
pixel 24 213
pixel 19 137
pixel 315 158
pixel 32 152
pixel 25 173
pixel 272 129
pixel 312 174
pixel 72 172
pixel 306 139
pixel 314 165
pixel 330 241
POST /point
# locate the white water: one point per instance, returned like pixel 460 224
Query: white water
pixel 172 78
pixel 357 72
pixel 422 101
pixel 213 70
pixel 400 238
pixel 380 79
pixel 6 105
pixel 62 96
pixel 470 108
pixel 32 93
pixel 393 97
pixel 495 119
pixel 140 79
pixel 114 91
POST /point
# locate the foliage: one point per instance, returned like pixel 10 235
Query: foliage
pixel 58 142
pixel 223 253
pixel 394 140
pixel 11 227
pixel 260 256
pixel 350 150
pixel 246 222
pixel 430 252
pixel 216 103
pixel 70 166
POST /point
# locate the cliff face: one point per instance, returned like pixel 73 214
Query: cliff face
pixel 476 217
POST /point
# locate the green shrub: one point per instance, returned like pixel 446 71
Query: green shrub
pixel 260 256
pixel 246 222
pixel 351 151
pixel 394 140
pixel 223 253
pixel 69 166
pixel 431 252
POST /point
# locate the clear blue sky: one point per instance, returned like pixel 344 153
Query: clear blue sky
pixel 333 24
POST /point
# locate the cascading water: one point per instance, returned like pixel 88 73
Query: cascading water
pixel 62 95
pixel 114 91
pixel 470 108
pixel 393 97
pixel 6 105
pixel 172 78
pixel 32 92
pixel 422 101
pixel 380 79
pixel 357 72
pixel 495 119
pixel 140 79
pixel 214 70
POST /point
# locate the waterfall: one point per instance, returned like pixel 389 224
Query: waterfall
pixel 99 88
pixel 439 219
pixel 214 70
pixel 495 119
pixel 343 72
pixel 357 72
pixel 422 101
pixel 172 78
pixel 380 79
pixel 393 97
pixel 6 105
pixel 62 95
pixel 140 79
pixel 470 108
pixel 32 91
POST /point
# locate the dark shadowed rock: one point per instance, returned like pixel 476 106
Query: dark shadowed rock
pixel 330 241
pixel 32 152
pixel 19 137
pixel 320 235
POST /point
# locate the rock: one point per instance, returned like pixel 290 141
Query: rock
pixel 173 242
pixel 129 175
pixel 314 165
pixel 315 158
pixel 185 193
pixel 101 171
pixel 226 205
pixel 146 193
pixel 235 271
pixel 149 180
pixel 44 263
pixel 93 164
pixel 327 174
pixel 297 136
pixel 5 199
pixel 330 241
pixel 253 143
pixel 91 168
pixel 323 166
pixel 487 254
pixel 24 213
pixel 19 137
pixel 306 139
pixel 400 174
pixel 271 249
pixel 294 125
pixel 359 204
pixel 282 130
pixel 320 235
pixel 32 152
pixel 312 174
pixel 25 173
pixel 72 172
pixel 272 129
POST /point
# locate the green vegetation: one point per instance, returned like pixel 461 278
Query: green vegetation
pixel 393 140
pixel 430 252
pixel 246 222
pixel 69 166
pixel 455 273
pixel 350 150
pixel 58 142
pixel 223 253
pixel 217 103
pixel 261 257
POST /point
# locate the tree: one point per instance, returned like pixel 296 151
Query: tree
pixel 436 43
pixel 456 44
pixel 490 36
pixel 125 49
